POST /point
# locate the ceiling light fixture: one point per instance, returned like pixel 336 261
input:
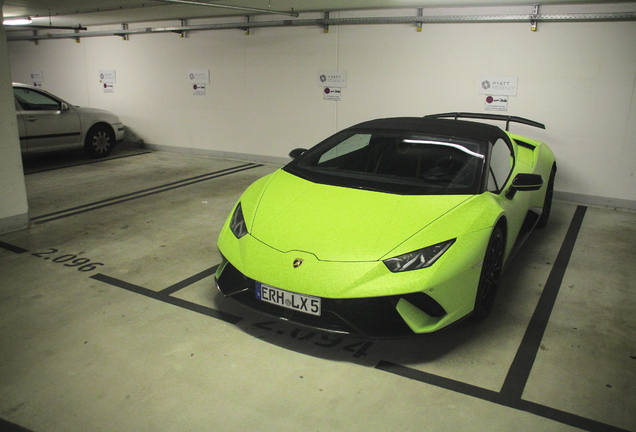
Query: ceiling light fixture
pixel 17 21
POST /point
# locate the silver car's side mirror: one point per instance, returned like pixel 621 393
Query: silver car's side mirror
pixel 64 107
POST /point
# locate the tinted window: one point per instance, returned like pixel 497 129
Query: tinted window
pixel 351 144
pixel 398 162
pixel 500 166
pixel 33 100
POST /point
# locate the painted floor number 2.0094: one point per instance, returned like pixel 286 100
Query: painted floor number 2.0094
pixel 68 260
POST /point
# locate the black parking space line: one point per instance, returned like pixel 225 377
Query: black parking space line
pixel 509 396
pixel 11 248
pixel 142 195
pixel 157 295
pixel 521 366
pixel 203 310
pixel 189 281
pixel 154 188
pixel 438 381
pixel 27 172
pixel 498 398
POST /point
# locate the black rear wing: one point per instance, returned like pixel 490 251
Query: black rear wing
pixel 500 117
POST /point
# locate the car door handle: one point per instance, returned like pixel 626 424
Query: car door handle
pixel 31 119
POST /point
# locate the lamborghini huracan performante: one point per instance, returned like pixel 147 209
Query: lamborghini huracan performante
pixel 391 227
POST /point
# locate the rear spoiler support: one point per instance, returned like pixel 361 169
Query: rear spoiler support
pixel 500 117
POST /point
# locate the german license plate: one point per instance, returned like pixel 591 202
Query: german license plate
pixel 300 302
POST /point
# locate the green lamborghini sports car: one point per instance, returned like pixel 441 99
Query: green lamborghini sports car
pixel 391 227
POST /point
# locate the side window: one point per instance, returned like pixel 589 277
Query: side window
pixel 500 166
pixel 33 100
pixel 356 142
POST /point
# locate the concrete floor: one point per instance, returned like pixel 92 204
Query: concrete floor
pixel 110 321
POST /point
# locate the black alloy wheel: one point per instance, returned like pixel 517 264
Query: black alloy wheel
pixel 547 202
pixel 490 273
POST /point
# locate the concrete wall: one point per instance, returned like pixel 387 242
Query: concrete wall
pixel 13 203
pixel 578 78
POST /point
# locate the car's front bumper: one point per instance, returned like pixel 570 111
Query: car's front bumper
pixel 119 132
pixel 362 298
pixel 374 317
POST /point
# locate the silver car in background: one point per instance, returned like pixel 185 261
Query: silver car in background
pixel 48 123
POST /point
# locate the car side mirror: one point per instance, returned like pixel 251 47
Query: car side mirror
pixel 525 182
pixel 296 152
pixel 64 107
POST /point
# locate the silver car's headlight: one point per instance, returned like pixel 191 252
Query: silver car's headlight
pixel 237 223
pixel 418 259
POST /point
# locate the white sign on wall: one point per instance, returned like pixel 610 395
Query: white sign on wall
pixel 332 93
pixel 496 103
pixel 332 78
pixel 107 76
pixel 199 76
pixel 37 78
pixel 198 89
pixel 109 88
pixel 498 85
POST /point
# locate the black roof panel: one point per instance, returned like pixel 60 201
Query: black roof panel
pixel 444 127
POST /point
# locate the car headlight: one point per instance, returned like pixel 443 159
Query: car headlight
pixel 418 259
pixel 237 224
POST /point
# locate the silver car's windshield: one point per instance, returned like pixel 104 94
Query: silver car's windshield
pixel 395 162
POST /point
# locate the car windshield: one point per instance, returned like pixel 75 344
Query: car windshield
pixel 398 162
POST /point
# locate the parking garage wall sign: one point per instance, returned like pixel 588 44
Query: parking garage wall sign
pixel 331 93
pixel 496 103
pixel 332 78
pixel 199 79
pixel 199 76
pixel 198 89
pixel 332 83
pixel 37 78
pixel 497 90
pixel 108 78
pixel 498 85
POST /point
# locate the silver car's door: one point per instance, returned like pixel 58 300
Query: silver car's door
pixel 21 128
pixel 50 123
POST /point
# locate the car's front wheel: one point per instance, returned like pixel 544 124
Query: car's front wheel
pixel 490 273
pixel 100 141
pixel 547 202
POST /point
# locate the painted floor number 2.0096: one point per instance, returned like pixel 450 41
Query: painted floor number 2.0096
pixel 68 260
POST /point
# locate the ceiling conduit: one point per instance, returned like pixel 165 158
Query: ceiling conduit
pixel 225 6
pixel 415 20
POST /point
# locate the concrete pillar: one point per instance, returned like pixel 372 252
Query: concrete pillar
pixel 14 209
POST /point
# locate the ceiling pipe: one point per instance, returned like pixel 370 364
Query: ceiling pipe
pixel 49 27
pixel 606 16
pixel 225 6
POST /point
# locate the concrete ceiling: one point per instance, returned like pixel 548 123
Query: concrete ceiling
pixel 97 12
